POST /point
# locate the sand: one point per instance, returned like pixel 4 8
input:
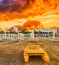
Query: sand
pixel 11 53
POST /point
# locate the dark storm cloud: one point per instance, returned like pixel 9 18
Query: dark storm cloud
pixel 13 5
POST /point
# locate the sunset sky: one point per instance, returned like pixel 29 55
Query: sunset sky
pixel 17 12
